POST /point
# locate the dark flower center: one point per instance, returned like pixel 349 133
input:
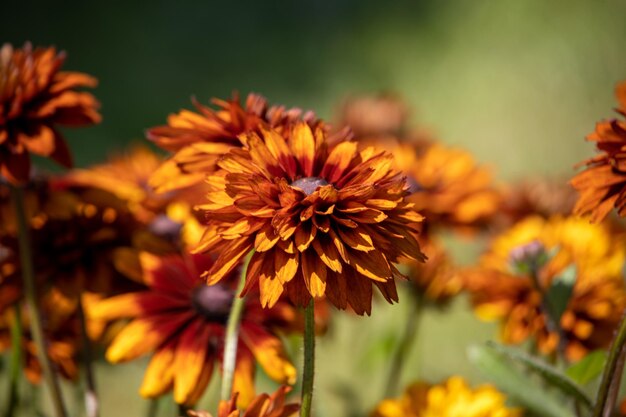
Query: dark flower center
pixel 213 302
pixel 165 227
pixel 308 185
pixel 414 186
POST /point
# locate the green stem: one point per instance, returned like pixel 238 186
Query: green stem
pixel 153 407
pixel 182 410
pixel 404 347
pixel 30 294
pixel 611 377
pixel 16 360
pixel 308 371
pixel 92 405
pixel 232 337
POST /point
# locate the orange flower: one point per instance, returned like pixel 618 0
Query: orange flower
pixel 182 322
pixel 601 185
pixel 383 115
pixel 503 291
pixel 448 187
pixel 76 235
pixel 321 219
pixel 35 97
pixel 199 139
pixel 262 406
pixel 63 334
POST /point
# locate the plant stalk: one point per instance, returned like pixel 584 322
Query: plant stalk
pixel 30 294
pixel 611 377
pixel 232 337
pixel 16 361
pixel 406 343
pixel 308 371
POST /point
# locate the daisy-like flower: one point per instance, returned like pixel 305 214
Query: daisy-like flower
pixel 512 279
pixel 264 405
pixel 453 397
pixel 182 322
pixel 601 185
pixel 199 139
pixel 76 235
pixel 63 334
pixel 448 187
pixel 35 98
pixel 321 219
pixel 383 115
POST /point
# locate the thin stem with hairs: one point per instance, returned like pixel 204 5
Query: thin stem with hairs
pixel 308 372
pixel 232 336
pixel 611 377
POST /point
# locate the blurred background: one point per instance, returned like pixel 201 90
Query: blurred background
pixel 517 83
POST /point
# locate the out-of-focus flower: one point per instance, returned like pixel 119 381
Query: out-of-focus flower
pixel 182 322
pixel 263 405
pixel 35 98
pixel 199 139
pixel 513 278
pixel 62 331
pixel 75 234
pixel 541 197
pixel 322 220
pixel 601 185
pixel 448 187
pixel 436 279
pixel 453 397
pixel 383 115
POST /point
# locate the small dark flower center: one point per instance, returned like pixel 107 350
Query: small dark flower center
pixel 308 185
pixel 414 186
pixel 213 302
pixel 165 227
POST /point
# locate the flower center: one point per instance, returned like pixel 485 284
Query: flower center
pixel 414 186
pixel 165 227
pixel 308 185
pixel 528 258
pixel 213 302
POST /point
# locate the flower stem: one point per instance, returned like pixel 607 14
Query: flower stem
pixel 153 407
pixel 92 405
pixel 30 293
pixel 232 337
pixel 404 347
pixel 16 360
pixel 308 371
pixel 611 377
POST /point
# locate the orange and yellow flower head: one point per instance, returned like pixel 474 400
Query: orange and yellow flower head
pixel 513 278
pixel 602 185
pixel 76 236
pixel 198 139
pixel 35 98
pixel 454 397
pixel 181 322
pixel 264 405
pixel 322 219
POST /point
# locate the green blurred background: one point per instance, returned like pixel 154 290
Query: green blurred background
pixel 518 83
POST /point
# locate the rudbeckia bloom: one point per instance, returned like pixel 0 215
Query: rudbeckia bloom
pixel 182 322
pixel 76 235
pixel 199 139
pixel 264 405
pixel 448 187
pixel 602 185
pixel 35 98
pixel 322 220
pixel 453 397
pixel 503 291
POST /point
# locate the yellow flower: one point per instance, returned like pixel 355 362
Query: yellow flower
pixel 452 398
pixel 502 291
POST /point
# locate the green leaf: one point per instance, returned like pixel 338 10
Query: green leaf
pixel 517 385
pixel 548 373
pixel 588 368
pixel 560 291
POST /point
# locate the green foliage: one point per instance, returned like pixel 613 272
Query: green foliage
pixel 496 366
pixel 588 368
pixel 560 291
